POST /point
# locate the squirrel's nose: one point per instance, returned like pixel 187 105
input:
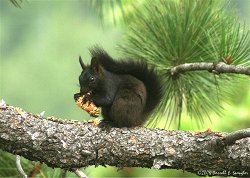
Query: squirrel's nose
pixel 84 90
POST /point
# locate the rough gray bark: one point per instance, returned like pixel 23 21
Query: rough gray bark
pixel 74 144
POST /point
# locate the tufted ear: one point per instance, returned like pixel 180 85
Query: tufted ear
pixel 95 66
pixel 81 63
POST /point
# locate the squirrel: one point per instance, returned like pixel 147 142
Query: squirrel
pixel 127 91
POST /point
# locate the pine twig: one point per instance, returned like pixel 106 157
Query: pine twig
pixel 216 68
pixel 37 170
pixel 19 167
pixel 80 174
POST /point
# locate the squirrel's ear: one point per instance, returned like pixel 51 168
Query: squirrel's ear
pixel 81 63
pixel 95 66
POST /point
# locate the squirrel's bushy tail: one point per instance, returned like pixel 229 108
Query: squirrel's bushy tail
pixel 138 69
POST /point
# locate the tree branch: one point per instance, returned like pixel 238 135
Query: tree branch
pixel 74 144
pixel 217 68
pixel 232 137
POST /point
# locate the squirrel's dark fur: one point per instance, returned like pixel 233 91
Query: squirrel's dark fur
pixel 127 91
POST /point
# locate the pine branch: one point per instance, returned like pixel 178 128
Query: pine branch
pixel 165 36
pixel 16 3
pixel 217 68
pixel 74 144
pixel 232 137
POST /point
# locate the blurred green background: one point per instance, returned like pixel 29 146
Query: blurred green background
pixel 39 48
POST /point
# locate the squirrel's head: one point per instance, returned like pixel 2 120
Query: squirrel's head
pixel 91 77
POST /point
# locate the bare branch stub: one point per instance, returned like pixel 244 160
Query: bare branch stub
pixel 230 138
pixel 73 144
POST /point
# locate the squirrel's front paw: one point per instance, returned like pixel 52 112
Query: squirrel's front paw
pixel 76 96
pixel 87 98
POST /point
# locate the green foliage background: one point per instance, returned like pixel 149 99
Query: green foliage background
pixel 39 48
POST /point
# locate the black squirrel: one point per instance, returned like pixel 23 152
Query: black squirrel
pixel 127 91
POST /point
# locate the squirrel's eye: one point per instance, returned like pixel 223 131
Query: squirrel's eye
pixel 91 79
